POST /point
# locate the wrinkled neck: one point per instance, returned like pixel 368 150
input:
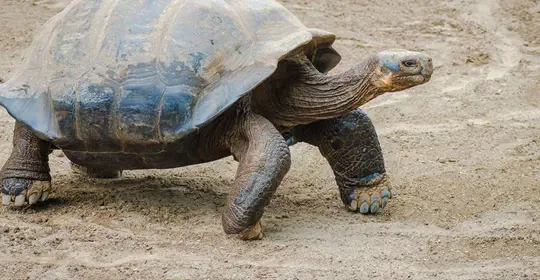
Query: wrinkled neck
pixel 308 95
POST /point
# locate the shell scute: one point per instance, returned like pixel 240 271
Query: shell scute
pixel 137 110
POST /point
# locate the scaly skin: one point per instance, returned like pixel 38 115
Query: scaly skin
pixel 299 94
pixel 264 159
pixel 351 146
pixel 25 175
pixel 318 109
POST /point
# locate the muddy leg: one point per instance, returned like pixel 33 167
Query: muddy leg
pixel 25 175
pixel 351 146
pixel 264 159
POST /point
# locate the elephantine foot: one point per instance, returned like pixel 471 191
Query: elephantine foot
pixel 255 233
pixel 19 192
pixel 93 172
pixel 372 195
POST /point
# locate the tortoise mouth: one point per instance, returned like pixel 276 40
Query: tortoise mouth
pixel 413 79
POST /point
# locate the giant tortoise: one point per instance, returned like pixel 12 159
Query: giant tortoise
pixel 123 85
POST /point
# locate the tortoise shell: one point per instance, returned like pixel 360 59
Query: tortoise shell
pixel 151 71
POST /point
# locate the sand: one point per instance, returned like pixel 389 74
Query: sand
pixel 463 152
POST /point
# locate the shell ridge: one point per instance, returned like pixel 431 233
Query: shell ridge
pixel 158 114
pixel 166 20
pixel 53 121
pixel 248 31
pixel 167 17
pixel 77 105
pixel 194 123
pixel 104 28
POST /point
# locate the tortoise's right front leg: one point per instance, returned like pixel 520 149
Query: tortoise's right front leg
pixel 25 175
pixel 264 159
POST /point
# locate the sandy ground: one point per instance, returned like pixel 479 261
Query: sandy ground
pixel 463 152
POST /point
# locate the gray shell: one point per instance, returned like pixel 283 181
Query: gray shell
pixel 151 71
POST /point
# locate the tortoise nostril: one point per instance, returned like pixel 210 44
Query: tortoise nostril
pixel 429 63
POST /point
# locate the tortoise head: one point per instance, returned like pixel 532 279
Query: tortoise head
pixel 401 69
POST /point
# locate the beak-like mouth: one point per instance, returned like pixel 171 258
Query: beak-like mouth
pixel 415 79
pixel 423 78
pixel 418 78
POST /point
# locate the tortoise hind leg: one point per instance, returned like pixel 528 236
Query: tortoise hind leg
pixel 264 159
pixel 351 146
pixel 96 172
pixel 25 175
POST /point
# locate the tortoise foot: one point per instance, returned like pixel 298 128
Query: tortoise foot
pixel 20 192
pixel 94 172
pixel 255 233
pixel 371 196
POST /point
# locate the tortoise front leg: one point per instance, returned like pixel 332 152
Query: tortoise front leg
pixel 264 159
pixel 351 146
pixel 25 175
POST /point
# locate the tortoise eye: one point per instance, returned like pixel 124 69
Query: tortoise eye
pixel 410 63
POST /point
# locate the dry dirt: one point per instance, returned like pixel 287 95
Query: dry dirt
pixel 463 152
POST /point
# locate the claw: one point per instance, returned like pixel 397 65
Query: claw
pixel 255 233
pixel 37 191
pixel 360 204
pixel 364 208
pixel 6 199
pixel 386 193
pixel 376 198
pixel 384 202
pixel 19 200
pixel 374 207
pixel 372 196
pixel 33 198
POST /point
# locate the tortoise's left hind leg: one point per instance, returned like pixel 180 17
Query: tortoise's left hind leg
pixel 96 172
pixel 25 175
